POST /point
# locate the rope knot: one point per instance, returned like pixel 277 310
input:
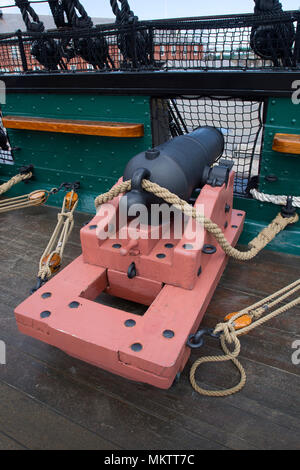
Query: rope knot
pixel 67 215
pixel 227 330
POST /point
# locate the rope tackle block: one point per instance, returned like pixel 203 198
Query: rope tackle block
pixel 173 276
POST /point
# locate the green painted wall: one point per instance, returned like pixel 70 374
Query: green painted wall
pixel 97 162
pixel 282 117
pixel 259 215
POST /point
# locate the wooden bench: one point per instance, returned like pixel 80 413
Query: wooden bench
pixel 104 129
pixel 287 143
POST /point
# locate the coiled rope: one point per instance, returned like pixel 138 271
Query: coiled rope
pixel 58 13
pixel 44 50
pixel 229 336
pixel 71 8
pixel 134 43
pixel 122 14
pixel 34 24
pixel 254 247
pixel 273 41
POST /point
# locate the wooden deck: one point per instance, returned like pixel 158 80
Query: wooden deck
pixel 51 401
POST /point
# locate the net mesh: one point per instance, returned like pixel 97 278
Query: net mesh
pixel 240 121
pixel 6 156
pixel 231 42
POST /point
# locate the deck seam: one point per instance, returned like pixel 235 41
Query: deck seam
pixel 13 439
pixel 119 399
pixel 53 410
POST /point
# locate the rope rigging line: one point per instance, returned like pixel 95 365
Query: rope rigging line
pixel 36 198
pixel 124 14
pixel 134 44
pixel 93 48
pixel 273 42
pixel 58 13
pixel 72 8
pixel 275 199
pixel 52 257
pixel 34 24
pixel 25 174
pixel 228 332
pixel 254 247
pixel 32 1
pixel 45 50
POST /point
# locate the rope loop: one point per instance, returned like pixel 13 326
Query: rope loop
pixel 228 356
pixel 229 336
pixel 255 246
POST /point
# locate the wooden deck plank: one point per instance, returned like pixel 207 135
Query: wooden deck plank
pixel 95 377
pixel 190 411
pixel 37 427
pixel 118 419
pixel 266 414
pixel 261 276
pixel 7 443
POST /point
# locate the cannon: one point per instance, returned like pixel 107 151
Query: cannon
pixel 180 165
pixel 172 278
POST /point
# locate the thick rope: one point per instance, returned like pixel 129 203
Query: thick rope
pixel 124 14
pixel 71 8
pixel 231 338
pixel 274 199
pixel 255 246
pixel 27 11
pixel 58 240
pixel 13 181
pixel 57 11
pixel 273 41
pixel 229 335
pixel 267 7
pixel 37 198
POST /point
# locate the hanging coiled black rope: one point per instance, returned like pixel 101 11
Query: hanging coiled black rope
pixel 273 41
pixel 59 17
pixel 91 48
pixel 58 13
pixel 34 24
pixel 134 44
pixel 45 51
pixel 76 14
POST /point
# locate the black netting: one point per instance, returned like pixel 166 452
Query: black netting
pixel 6 156
pixel 240 121
pixel 233 43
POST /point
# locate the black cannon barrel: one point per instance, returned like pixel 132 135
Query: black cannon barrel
pixel 178 165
